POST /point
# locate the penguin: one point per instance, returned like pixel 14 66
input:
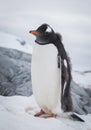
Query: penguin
pixel 51 73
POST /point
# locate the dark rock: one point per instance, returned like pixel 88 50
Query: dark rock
pixel 77 104
pixel 79 90
pixel 87 109
pixel 88 90
pixel 7 89
pixel 15 72
pixel 80 98
pixel 22 42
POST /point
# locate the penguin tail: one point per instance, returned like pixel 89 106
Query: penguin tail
pixel 76 117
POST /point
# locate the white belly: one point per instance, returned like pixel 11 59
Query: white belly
pixel 46 78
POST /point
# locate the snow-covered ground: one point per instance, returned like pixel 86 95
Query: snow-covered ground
pixel 16 113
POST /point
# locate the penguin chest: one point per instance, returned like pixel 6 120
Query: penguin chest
pixel 46 77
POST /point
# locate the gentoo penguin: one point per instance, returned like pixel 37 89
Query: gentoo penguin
pixel 51 72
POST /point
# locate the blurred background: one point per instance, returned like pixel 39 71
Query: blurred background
pixel 71 18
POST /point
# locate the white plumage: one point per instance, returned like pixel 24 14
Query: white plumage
pixel 46 78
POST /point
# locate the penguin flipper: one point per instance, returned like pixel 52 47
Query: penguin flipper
pixel 76 117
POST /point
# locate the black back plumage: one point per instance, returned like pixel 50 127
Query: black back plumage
pixel 65 76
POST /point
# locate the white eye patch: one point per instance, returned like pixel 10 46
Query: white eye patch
pixel 48 29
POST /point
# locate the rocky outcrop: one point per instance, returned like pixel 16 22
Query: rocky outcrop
pixel 15 77
pixel 81 99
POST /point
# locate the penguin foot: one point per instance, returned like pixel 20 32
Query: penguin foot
pixel 49 116
pixel 39 113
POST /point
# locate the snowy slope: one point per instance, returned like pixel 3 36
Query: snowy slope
pixel 16 113
pixel 11 41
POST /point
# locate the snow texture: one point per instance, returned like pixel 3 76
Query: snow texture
pixel 17 113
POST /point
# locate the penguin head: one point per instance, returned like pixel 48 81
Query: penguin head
pixel 44 34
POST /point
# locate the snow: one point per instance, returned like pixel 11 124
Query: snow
pixel 17 113
pixel 12 41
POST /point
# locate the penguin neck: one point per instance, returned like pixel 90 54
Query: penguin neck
pixel 57 44
pixel 41 43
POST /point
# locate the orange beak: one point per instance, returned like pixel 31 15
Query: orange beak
pixel 34 32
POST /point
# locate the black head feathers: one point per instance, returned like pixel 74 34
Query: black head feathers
pixel 44 34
